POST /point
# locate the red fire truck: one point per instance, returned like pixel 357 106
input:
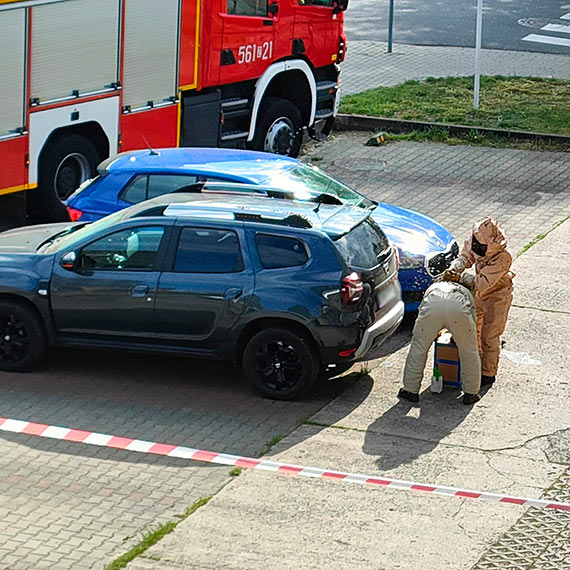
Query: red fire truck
pixel 83 79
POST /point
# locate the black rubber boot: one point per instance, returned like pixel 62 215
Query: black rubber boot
pixel 469 399
pixel 486 380
pixel 410 396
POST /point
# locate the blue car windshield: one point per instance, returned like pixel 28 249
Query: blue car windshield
pixel 306 182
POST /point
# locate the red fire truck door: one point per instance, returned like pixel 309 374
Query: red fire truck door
pixel 248 40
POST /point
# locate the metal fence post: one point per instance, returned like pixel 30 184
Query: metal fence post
pixel 390 24
pixel 478 54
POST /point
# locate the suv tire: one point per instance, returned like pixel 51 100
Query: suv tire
pixel 23 341
pixel 280 363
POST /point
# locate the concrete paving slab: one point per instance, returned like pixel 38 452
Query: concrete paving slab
pixel 541 280
pixel 521 411
pixel 265 520
pixel 514 441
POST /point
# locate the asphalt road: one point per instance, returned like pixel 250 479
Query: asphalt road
pixel 435 22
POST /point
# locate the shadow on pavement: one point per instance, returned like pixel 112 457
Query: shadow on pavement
pixel 180 401
pixel 407 431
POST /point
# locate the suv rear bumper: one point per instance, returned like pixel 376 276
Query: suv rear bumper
pixel 376 334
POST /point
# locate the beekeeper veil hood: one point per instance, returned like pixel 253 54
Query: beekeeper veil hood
pixel 488 238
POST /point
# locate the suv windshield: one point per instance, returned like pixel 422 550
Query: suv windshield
pixel 306 181
pixel 77 232
pixel 355 246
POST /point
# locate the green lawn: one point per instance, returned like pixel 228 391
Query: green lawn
pixel 527 104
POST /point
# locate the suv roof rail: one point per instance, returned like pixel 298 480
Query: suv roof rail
pixel 189 210
pixel 292 220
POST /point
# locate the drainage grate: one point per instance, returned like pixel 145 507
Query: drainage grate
pixel 539 540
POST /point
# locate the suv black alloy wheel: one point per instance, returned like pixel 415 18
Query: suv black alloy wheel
pixel 22 338
pixel 280 363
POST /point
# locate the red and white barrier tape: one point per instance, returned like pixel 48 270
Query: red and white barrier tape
pixel 128 444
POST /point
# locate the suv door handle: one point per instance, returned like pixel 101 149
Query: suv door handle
pixel 139 290
pixel 233 294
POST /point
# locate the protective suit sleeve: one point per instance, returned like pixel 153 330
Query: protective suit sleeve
pixel 468 279
pixel 493 275
pixel 466 258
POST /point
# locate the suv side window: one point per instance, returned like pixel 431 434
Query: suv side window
pixel 131 249
pixel 247 7
pixel 280 251
pixel 205 250
pixel 145 187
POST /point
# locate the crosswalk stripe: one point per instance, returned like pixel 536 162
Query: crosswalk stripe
pixel 561 29
pixel 565 17
pixel 547 40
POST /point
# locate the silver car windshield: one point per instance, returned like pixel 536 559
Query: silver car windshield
pixel 307 181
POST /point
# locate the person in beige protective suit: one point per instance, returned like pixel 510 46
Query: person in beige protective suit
pixel 486 249
pixel 445 305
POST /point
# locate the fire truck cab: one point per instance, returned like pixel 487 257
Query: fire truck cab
pixel 84 79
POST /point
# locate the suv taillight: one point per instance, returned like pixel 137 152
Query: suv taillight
pixel 74 214
pixel 351 289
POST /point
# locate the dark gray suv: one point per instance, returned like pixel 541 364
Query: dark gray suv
pixel 288 290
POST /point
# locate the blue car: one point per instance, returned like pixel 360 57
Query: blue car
pixel 425 247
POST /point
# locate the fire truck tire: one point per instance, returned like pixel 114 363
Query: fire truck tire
pixel 279 128
pixel 66 163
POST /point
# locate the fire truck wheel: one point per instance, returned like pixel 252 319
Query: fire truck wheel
pixel 64 165
pixel 279 128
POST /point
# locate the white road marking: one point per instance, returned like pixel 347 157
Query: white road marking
pixel 566 16
pixel 556 28
pixel 547 40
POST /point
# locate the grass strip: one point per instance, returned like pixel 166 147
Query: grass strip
pixel 518 103
pixel 153 537
pixel 540 237
pixel 442 135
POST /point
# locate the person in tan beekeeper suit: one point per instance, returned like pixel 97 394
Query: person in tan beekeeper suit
pixel 486 249
pixel 450 306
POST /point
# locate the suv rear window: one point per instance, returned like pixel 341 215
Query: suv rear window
pixel 279 251
pixel 363 246
pixel 202 250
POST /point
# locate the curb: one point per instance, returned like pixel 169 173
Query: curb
pixel 366 123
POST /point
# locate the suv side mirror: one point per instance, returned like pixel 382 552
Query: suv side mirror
pixel 69 260
pixel 273 8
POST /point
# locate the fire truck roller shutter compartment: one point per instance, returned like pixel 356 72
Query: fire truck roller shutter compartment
pixel 74 48
pixel 12 69
pixel 74 54
pixel 13 138
pixel 151 53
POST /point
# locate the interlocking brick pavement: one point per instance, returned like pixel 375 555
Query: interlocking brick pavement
pixel 539 540
pixel 63 505
pixel 528 191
